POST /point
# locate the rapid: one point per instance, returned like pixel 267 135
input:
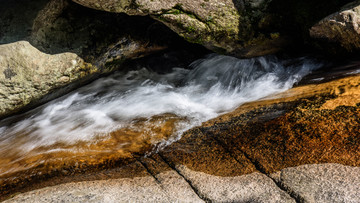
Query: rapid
pixel 120 112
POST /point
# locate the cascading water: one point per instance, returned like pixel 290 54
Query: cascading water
pixel 141 106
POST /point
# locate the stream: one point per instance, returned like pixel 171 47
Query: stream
pixel 119 114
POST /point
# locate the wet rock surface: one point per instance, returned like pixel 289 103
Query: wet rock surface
pixel 267 150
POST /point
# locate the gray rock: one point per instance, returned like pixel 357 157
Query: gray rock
pixel 176 187
pixel 63 26
pixel 226 26
pixel 323 182
pixel 170 187
pixel 141 189
pixel 173 184
pixel 26 74
pixel 312 183
pixel 254 187
pixel 166 186
pixel 342 28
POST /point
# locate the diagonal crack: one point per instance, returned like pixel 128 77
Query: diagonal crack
pixel 262 170
pixel 197 192
pixel 149 171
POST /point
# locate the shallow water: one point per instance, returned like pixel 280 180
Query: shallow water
pixel 122 113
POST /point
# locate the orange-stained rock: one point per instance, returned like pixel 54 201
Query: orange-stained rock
pixel 287 130
pixel 200 152
pixel 302 130
pixel 118 148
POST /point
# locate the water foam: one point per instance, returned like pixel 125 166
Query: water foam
pixel 212 86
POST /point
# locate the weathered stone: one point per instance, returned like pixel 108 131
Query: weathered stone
pixel 138 189
pixel 295 131
pixel 254 187
pixel 16 19
pixel 223 26
pixel 170 180
pixel 323 182
pixel 200 152
pixel 59 27
pixel 341 28
pixel 218 176
pixel 241 28
pixel 163 184
pixel 311 183
pixel 27 74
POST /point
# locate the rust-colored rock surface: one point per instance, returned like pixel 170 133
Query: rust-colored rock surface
pixel 249 152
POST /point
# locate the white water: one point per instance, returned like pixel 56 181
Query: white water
pixel 214 85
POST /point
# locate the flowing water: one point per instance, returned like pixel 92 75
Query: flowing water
pixel 121 113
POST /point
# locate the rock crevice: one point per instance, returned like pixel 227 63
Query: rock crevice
pixel 262 170
pixel 196 190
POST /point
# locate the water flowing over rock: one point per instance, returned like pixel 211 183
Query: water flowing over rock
pixel 131 111
pixel 341 28
pixel 265 151
pixel 162 129
pixel 241 151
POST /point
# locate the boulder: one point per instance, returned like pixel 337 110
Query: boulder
pixel 16 19
pixel 223 26
pixel 59 27
pixel 28 74
pixel 241 28
pixel 340 28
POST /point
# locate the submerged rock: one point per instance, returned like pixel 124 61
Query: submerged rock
pixel 341 28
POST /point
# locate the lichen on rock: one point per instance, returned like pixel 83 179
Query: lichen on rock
pixel 228 27
pixel 28 74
